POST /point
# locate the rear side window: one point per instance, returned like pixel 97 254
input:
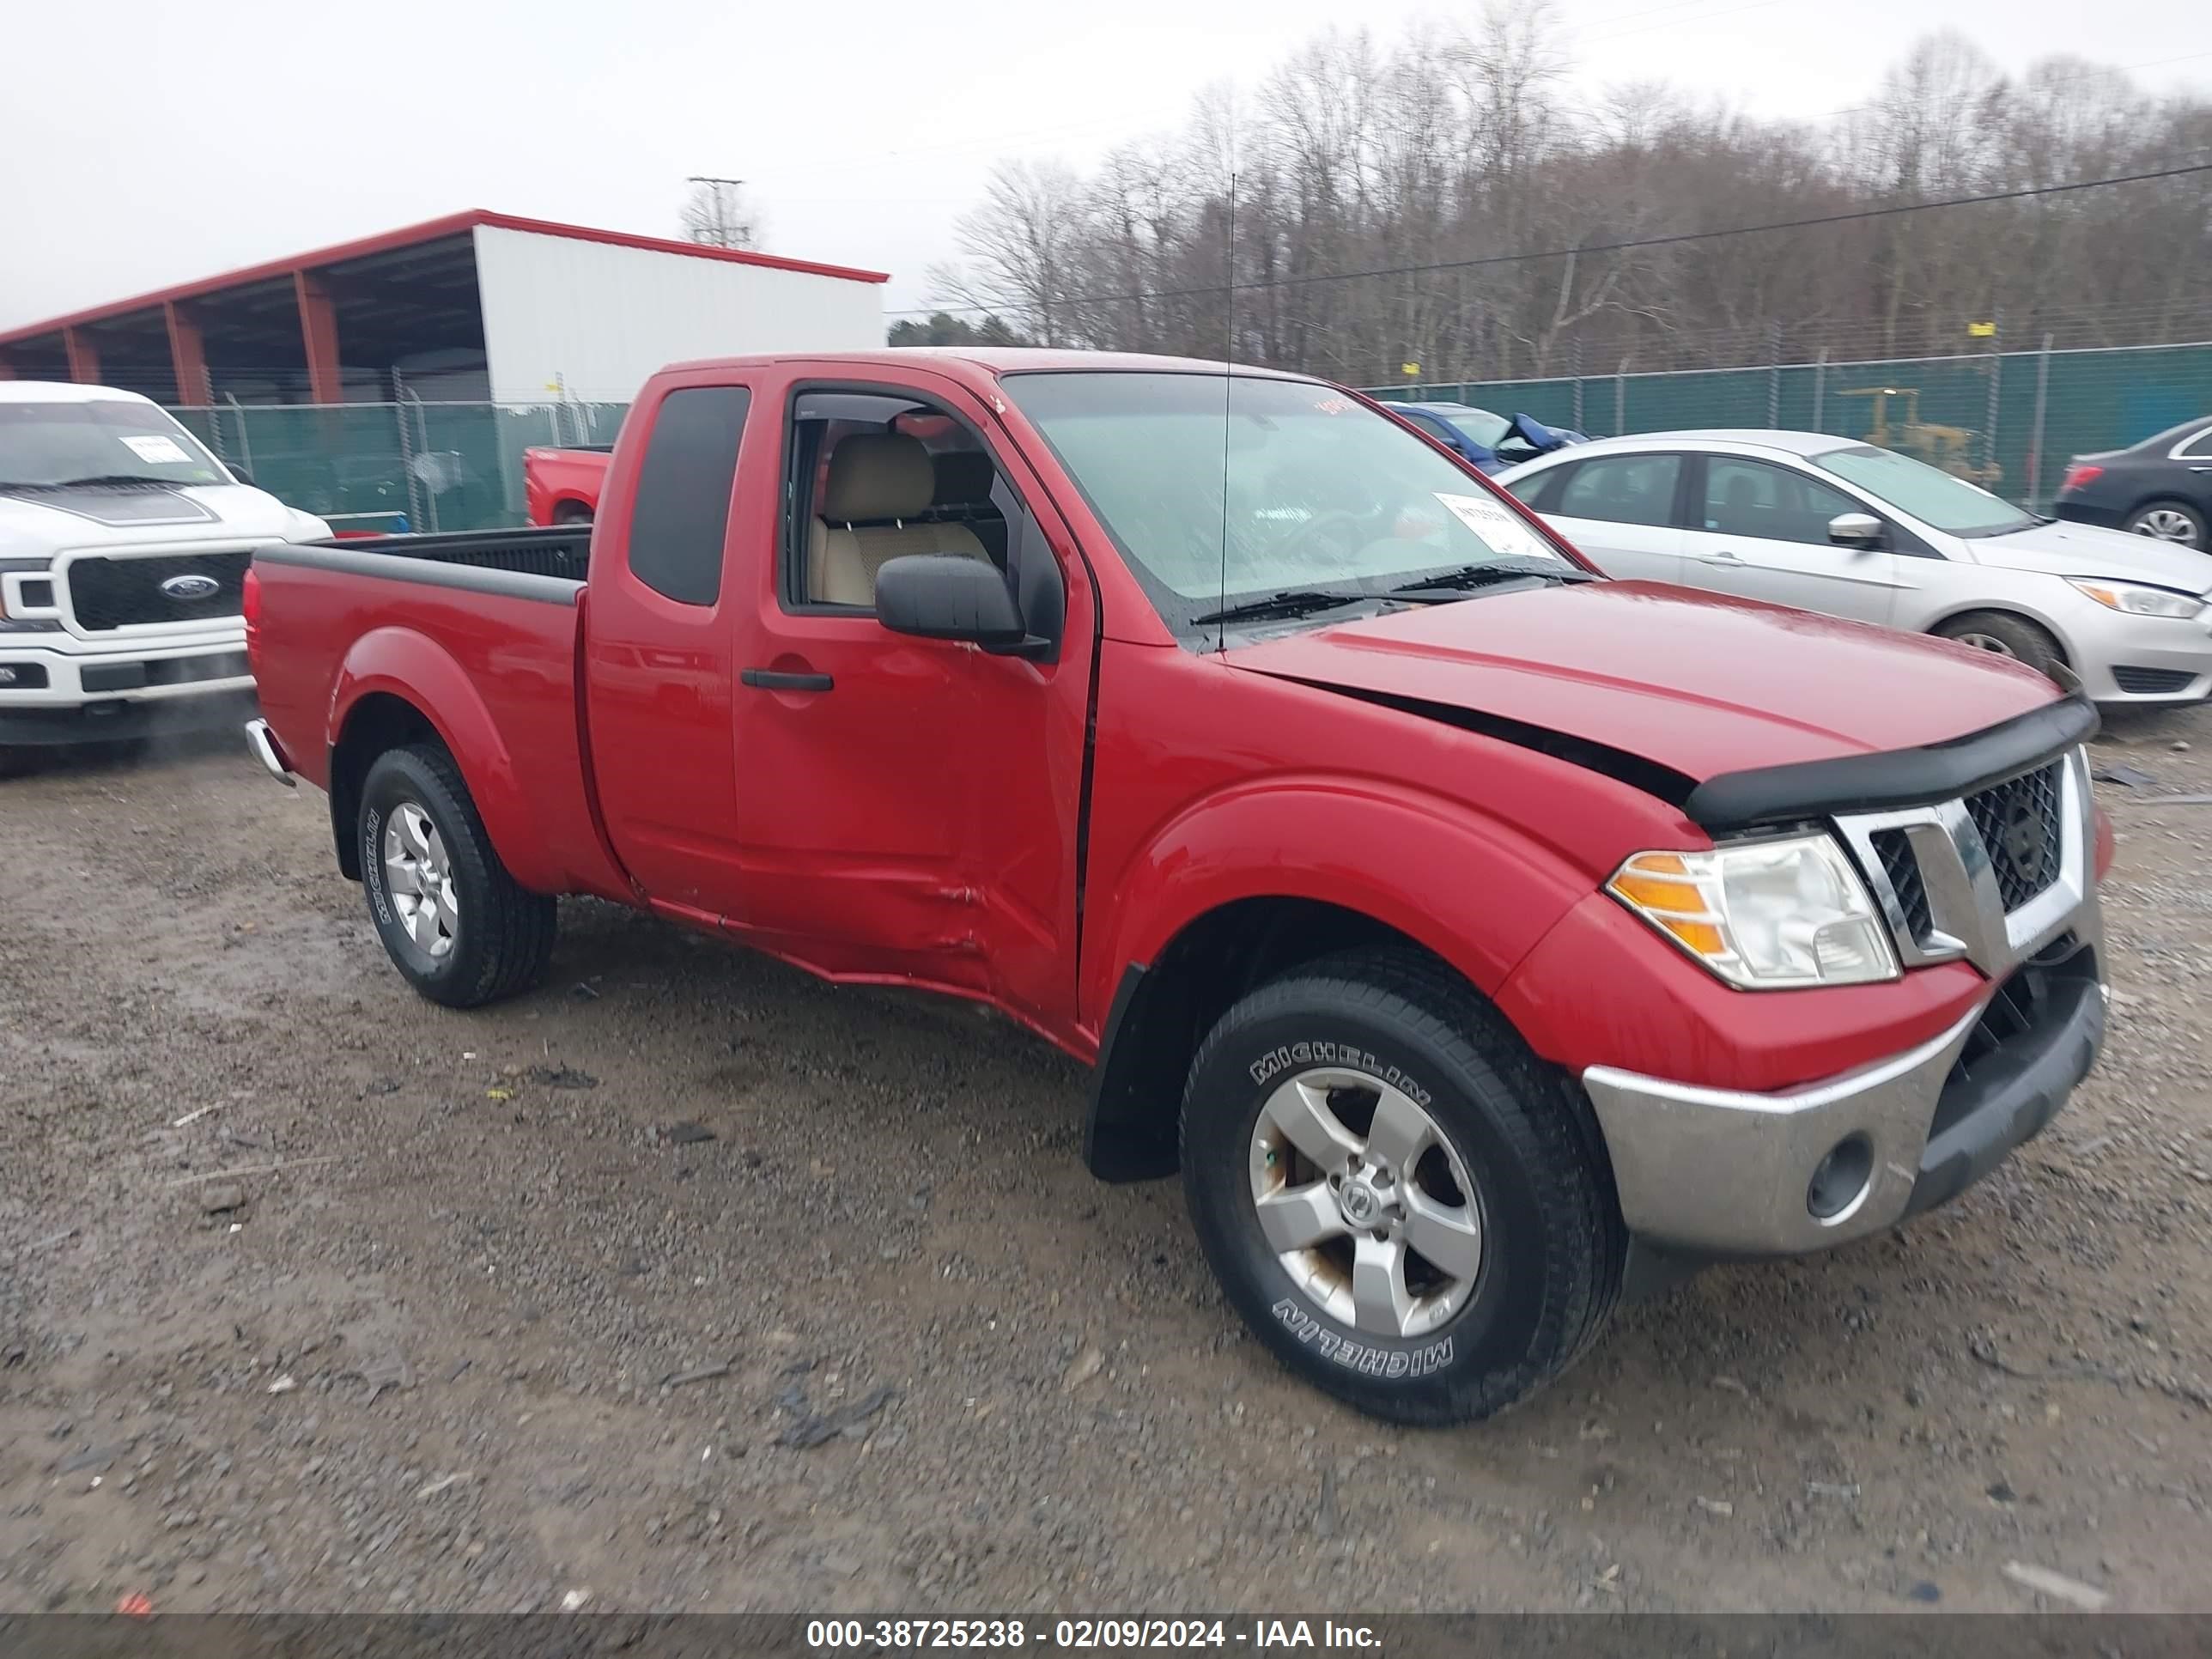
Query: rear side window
pixel 1623 490
pixel 2198 448
pixel 1541 491
pixel 683 508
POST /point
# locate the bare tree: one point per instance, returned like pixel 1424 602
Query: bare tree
pixel 1439 200
pixel 717 215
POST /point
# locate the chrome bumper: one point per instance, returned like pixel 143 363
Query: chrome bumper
pixel 263 742
pixel 1717 1172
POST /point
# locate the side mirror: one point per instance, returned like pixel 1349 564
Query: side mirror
pixel 935 596
pixel 1860 531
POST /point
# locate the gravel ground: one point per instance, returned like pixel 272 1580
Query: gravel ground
pixel 690 1283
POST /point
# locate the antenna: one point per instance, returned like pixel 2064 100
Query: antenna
pixel 1228 383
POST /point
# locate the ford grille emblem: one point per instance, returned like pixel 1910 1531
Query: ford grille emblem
pixel 188 588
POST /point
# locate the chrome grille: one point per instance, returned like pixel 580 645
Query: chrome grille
pixel 2023 832
pixel 1991 878
pixel 1903 869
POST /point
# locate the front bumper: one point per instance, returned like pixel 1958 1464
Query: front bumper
pixel 54 688
pixel 1718 1173
pixel 2140 660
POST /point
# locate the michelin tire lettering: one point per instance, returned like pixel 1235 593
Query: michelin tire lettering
pixel 1305 1053
pixel 1388 1364
pixel 372 865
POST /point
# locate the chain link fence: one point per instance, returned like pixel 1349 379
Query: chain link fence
pixel 410 465
pixel 2008 420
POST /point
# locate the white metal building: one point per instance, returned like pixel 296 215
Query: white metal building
pixel 477 306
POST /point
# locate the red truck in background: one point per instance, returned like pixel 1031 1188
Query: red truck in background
pixel 561 486
pixel 1476 936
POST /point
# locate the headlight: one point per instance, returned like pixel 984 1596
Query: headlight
pixel 2138 601
pixel 1763 915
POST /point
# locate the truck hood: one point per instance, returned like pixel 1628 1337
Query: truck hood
pixel 2082 549
pixel 42 524
pixel 1698 685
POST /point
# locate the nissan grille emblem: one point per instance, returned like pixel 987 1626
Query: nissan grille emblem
pixel 2025 841
pixel 186 588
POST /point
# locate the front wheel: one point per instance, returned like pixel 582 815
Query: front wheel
pixel 1408 1207
pixel 2002 634
pixel 453 921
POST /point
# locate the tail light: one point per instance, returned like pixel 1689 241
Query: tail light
pixel 250 604
pixel 2079 474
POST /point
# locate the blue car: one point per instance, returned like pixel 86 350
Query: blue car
pixel 1491 441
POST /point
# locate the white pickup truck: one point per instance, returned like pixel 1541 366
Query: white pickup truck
pixel 124 545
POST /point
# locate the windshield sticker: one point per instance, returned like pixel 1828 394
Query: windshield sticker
pixel 1497 525
pixel 1333 405
pixel 158 451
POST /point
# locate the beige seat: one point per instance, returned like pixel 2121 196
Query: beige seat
pixel 877 480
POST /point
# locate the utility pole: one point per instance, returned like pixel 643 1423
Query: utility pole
pixel 716 189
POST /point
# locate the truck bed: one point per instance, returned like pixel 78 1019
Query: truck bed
pixel 561 551
pixel 478 628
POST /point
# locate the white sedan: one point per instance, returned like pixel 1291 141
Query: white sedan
pixel 1832 525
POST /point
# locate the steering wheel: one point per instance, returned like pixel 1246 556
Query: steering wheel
pixel 1314 528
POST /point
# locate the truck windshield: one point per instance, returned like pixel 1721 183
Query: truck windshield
pixel 1224 490
pixel 108 440
pixel 1923 492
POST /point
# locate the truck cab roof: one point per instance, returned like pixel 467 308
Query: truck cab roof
pixel 995 361
pixel 65 392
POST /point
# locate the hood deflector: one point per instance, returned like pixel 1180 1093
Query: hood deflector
pixel 1895 778
pixel 1635 770
pixel 1877 783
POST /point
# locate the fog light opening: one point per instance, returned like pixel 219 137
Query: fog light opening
pixel 1842 1179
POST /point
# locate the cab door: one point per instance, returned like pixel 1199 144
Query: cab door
pixel 659 670
pixel 910 806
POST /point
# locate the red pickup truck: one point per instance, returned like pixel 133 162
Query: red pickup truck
pixel 1476 936
pixel 562 485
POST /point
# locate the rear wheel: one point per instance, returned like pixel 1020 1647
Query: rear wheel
pixel 2004 636
pixel 2170 521
pixel 453 921
pixel 1409 1208
pixel 572 513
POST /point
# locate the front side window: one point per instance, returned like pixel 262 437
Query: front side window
pixel 116 441
pixel 1770 503
pixel 683 511
pixel 1623 490
pixel 1922 492
pixel 1223 489
pixel 876 476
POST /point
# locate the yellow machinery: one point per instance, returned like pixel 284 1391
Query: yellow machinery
pixel 1950 447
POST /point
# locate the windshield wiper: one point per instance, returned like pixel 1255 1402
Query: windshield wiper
pixel 1498 570
pixel 1290 602
pixel 100 478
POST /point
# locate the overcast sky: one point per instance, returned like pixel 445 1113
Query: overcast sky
pixel 142 144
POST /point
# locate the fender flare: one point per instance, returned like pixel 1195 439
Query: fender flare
pixel 401 663
pixel 1229 849
pixel 1229 846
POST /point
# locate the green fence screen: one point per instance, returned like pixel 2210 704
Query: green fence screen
pixel 2007 419
pixel 2010 420
pixel 411 465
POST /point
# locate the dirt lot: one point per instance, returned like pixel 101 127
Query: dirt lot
pixel 451 1356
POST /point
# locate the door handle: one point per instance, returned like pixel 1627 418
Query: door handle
pixel 1722 557
pixel 777 679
